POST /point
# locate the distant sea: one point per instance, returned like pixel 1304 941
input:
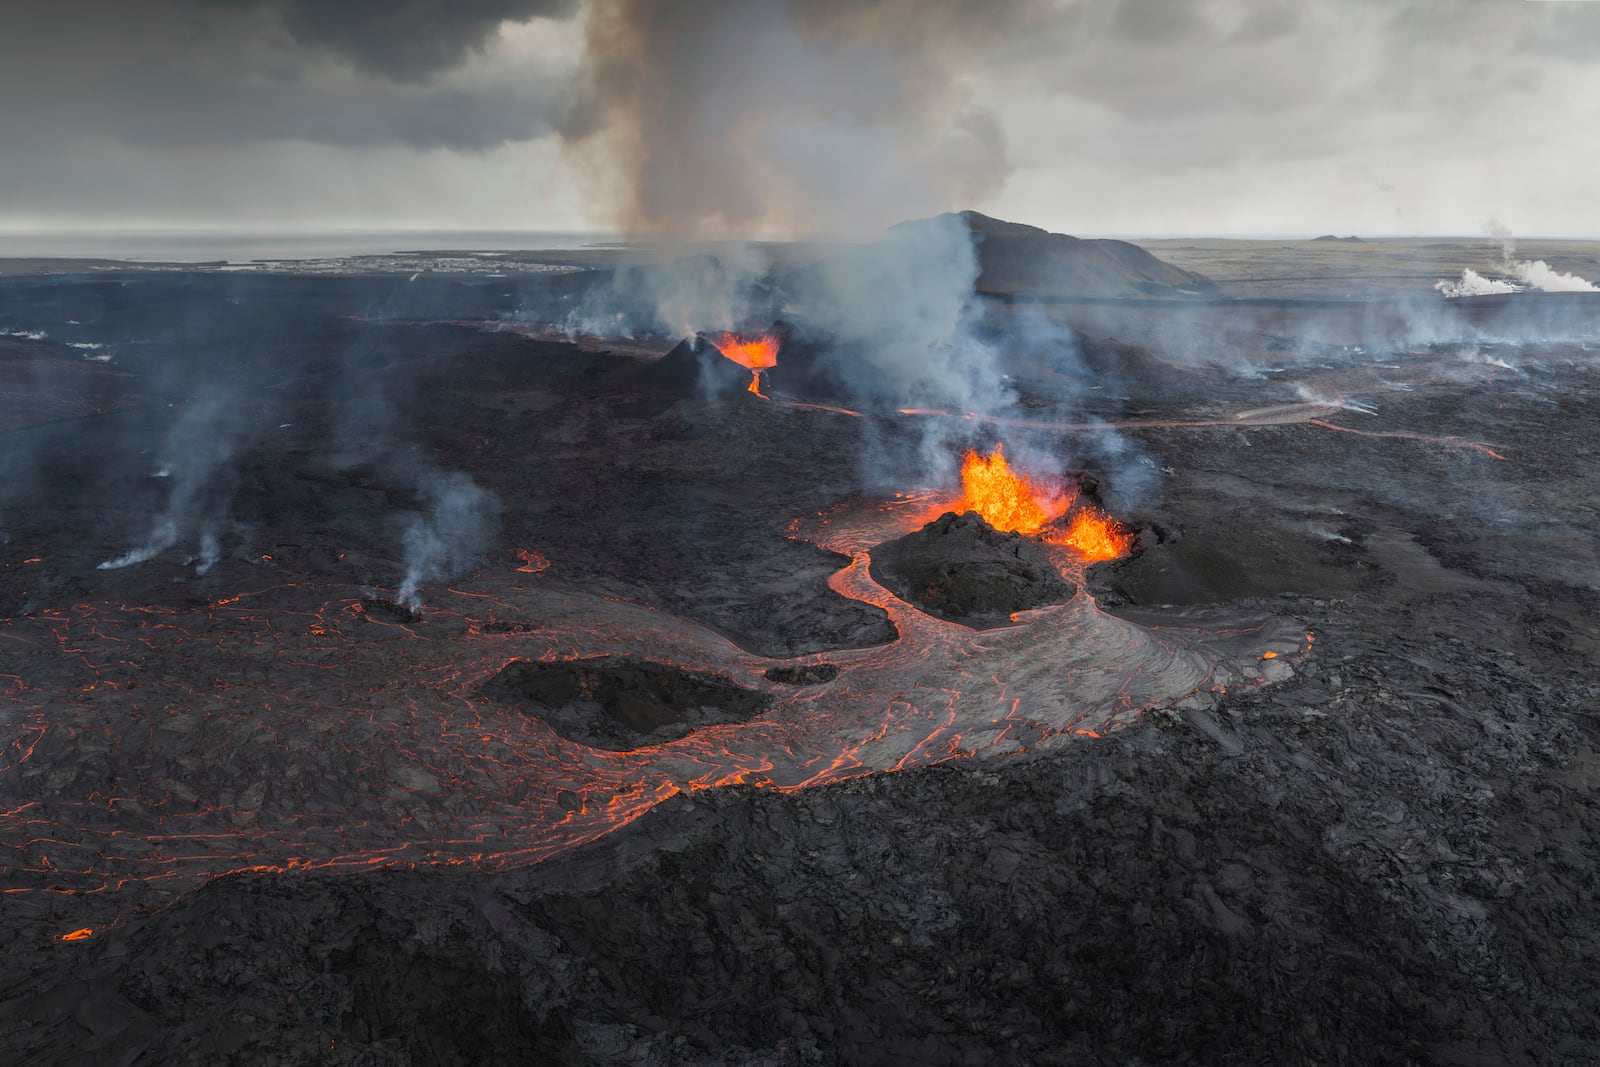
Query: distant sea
pixel 205 246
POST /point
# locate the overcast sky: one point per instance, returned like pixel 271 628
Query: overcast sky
pixel 749 117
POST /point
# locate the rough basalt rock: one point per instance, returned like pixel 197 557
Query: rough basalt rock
pixel 810 674
pixel 960 568
pixel 621 703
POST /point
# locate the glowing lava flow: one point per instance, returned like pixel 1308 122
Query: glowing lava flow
pixel 757 354
pixel 1450 440
pixel 286 728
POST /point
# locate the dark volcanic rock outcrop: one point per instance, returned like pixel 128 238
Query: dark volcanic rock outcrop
pixel 1025 261
pixel 621 703
pixel 695 364
pixel 811 674
pixel 960 568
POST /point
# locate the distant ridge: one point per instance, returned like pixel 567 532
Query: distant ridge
pixel 1015 259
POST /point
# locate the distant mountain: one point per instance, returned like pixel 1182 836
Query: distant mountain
pixel 1331 237
pixel 1019 260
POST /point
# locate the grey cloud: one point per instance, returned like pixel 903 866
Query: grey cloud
pixel 160 105
pixel 1270 22
pixel 1339 68
pixel 1159 21
pixel 731 116
pixel 407 40
pixel 196 73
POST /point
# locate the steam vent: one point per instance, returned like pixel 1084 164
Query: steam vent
pixel 863 605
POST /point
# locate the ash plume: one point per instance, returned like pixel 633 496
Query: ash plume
pixel 731 118
pixel 716 119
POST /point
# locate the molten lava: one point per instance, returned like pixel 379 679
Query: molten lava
pixel 1007 499
pixel 1094 535
pixel 1015 501
pixel 757 353
pixel 532 562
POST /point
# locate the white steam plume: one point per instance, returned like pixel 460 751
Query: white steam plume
pixel 1474 284
pixel 444 539
pixel 1529 273
pixel 1541 275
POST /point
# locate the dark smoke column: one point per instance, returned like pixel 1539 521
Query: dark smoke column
pixel 730 118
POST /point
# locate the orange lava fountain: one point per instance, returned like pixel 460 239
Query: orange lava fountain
pixel 1018 502
pixel 757 353
pixel 1007 499
pixel 1094 535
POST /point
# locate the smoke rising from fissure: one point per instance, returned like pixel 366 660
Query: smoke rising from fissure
pixel 196 466
pixel 455 524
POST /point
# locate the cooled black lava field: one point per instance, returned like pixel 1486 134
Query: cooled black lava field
pixel 389 678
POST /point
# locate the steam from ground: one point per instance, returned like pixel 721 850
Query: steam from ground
pixel 800 117
pixel 1540 275
pixel 1474 284
pixel 455 525
pixel 714 290
pixel 906 304
pixel 197 465
pixel 903 322
pixel 1528 273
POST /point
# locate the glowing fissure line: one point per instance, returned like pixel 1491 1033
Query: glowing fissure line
pixel 1448 440
pixel 1306 414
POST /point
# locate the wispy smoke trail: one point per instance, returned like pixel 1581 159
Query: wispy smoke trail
pixel 455 526
pixel 197 460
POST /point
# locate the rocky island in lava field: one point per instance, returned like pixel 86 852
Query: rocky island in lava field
pixel 1136 664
